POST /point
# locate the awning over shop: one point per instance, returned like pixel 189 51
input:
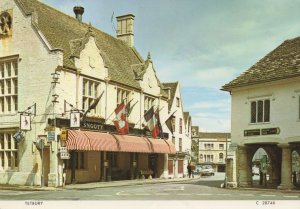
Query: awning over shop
pixel 102 141
pixel 77 140
pixel 133 144
pixel 161 146
pixel 91 141
pixel 171 146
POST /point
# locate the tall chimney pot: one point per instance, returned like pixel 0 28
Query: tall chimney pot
pixel 125 26
pixel 78 10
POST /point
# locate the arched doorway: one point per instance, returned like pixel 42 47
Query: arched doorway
pixel 261 168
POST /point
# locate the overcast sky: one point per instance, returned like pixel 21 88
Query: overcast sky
pixel 202 44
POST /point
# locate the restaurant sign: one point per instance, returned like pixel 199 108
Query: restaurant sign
pixel 264 131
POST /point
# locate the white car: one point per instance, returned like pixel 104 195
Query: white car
pixel 207 170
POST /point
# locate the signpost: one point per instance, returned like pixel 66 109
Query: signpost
pixel 63 153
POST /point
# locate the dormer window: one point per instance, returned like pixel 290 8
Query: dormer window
pixel 5 24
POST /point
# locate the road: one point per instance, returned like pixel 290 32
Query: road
pixel 206 188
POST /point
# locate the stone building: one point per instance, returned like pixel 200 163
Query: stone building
pixel 212 149
pixel 181 132
pixel 53 66
pixel 265 113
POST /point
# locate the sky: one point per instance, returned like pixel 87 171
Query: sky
pixel 202 44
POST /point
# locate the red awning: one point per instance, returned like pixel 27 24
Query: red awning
pixel 102 141
pixel 160 146
pixel 133 144
pixel 88 140
pixel 77 140
pixel 171 146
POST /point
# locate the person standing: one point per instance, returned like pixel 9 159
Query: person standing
pixel 189 168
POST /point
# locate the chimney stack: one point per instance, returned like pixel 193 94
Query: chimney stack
pixel 125 29
pixel 78 10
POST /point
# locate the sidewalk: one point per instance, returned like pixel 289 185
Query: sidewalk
pixel 93 185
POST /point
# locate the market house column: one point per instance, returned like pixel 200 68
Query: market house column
pixel 244 167
pixel 286 167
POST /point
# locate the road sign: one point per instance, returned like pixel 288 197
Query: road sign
pixel 51 136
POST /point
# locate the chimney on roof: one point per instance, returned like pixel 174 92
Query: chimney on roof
pixel 78 10
pixel 125 32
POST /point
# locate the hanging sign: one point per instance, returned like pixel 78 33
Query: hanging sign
pixel 25 122
pixel 75 120
pixel 51 135
pixel 63 135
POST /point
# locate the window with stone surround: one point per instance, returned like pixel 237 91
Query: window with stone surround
pixel 122 95
pixel 8 85
pixel 260 111
pixel 90 92
pixel 5 24
pixel 180 144
pixel 8 152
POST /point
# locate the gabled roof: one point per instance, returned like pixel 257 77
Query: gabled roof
pixel 62 31
pixel 281 63
pixel 173 87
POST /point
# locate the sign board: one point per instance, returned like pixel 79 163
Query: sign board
pixel 25 122
pixel 50 128
pixel 64 155
pixel 75 120
pixel 63 135
pixel 51 136
pixel 270 131
pixel 253 132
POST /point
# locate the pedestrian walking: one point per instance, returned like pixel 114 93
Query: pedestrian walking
pixel 189 168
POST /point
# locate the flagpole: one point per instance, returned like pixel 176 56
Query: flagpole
pixel 169 117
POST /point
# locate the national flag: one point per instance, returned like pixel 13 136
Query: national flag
pixel 94 105
pixel 121 123
pixel 169 122
pixel 158 127
pixel 152 122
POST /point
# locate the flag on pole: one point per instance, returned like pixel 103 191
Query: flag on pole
pixel 169 122
pixel 129 108
pixel 121 123
pixel 152 120
pixel 158 125
pixel 94 105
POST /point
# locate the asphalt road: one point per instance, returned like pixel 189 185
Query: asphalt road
pixel 206 188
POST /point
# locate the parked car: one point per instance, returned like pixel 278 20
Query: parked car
pixel 207 170
pixel 198 169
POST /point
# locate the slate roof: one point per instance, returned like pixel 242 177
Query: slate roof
pixel 281 63
pixel 173 87
pixel 63 32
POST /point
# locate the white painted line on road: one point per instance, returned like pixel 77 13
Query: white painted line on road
pixel 175 189
pixel 183 194
pixel 247 194
pixel 204 194
pixel 162 194
pixel 142 194
pixel 102 195
pixel 121 193
pixel 268 195
pixel 291 196
pixel 223 194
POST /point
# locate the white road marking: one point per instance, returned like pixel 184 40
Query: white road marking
pixel 121 193
pixel 223 194
pixel 102 195
pixel 204 194
pixel 268 195
pixel 175 189
pixel 292 196
pixel 247 194
pixel 183 194
pixel 15 193
pixel 162 194
pixel 142 194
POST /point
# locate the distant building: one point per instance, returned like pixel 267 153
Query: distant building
pixel 212 149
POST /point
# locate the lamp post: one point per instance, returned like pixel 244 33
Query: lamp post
pixel 225 180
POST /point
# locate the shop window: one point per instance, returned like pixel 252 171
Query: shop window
pixel 79 161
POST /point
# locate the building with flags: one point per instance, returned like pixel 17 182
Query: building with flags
pixel 179 125
pixel 92 94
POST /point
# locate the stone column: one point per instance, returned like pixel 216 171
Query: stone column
pixel 286 167
pixel 244 167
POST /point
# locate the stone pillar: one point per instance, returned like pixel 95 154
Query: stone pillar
pixel 286 167
pixel 244 167
pixel 166 171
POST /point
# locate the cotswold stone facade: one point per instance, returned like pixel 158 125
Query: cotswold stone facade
pixel 265 114
pixel 60 65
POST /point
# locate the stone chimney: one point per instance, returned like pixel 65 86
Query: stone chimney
pixel 78 10
pixel 125 29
